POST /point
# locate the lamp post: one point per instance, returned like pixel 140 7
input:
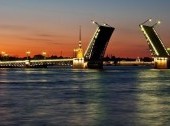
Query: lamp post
pixel 6 56
pixel 3 55
pixel 74 53
pixel 105 24
pixel 94 22
pixel 157 23
pixel 28 54
pixel 146 21
pixel 44 54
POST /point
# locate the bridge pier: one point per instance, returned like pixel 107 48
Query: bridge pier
pixel 161 62
pixel 95 64
pixel 79 63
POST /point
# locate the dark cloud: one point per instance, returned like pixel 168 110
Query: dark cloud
pixel 31 35
pixel 49 35
pixel 42 40
pixel 12 27
pixel 45 35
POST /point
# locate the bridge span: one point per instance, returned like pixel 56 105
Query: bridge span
pixel 158 50
pixel 35 63
pixel 94 54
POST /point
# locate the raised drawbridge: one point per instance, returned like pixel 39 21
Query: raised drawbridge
pixel 93 56
pixel 156 46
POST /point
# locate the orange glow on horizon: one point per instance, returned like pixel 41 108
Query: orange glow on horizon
pixel 53 26
pixel 17 46
pixel 62 42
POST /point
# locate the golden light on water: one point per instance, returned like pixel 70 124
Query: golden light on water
pixel 151 100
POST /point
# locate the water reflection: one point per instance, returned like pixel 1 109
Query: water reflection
pixel 114 96
pixel 153 98
pixel 83 107
pixel 63 101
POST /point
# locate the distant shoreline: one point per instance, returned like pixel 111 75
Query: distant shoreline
pixel 128 63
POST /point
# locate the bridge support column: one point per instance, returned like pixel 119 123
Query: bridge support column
pixel 95 64
pixel 79 63
pixel 27 63
pixel 161 62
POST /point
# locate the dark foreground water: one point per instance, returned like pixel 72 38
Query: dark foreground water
pixel 115 96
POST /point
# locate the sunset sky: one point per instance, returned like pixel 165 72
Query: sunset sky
pixel 53 25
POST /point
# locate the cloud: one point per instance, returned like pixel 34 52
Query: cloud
pixel 51 35
pixel 45 35
pixel 31 35
pixel 42 40
pixel 12 27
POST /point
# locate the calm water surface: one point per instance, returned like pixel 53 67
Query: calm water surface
pixel 115 96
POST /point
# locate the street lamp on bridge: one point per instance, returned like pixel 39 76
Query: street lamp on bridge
pixel 44 54
pixel 105 24
pixel 28 54
pixel 94 22
pixel 3 53
pixel 150 20
pixel 157 23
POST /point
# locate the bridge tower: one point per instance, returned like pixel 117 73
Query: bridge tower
pixel 158 51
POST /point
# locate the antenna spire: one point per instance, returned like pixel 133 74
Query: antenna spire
pixel 80 44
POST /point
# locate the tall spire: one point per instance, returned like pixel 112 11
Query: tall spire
pixel 80 44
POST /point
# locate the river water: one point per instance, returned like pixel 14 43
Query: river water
pixel 56 96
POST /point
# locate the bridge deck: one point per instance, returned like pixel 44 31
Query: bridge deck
pixel 36 63
pixel 98 44
pixel 155 43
